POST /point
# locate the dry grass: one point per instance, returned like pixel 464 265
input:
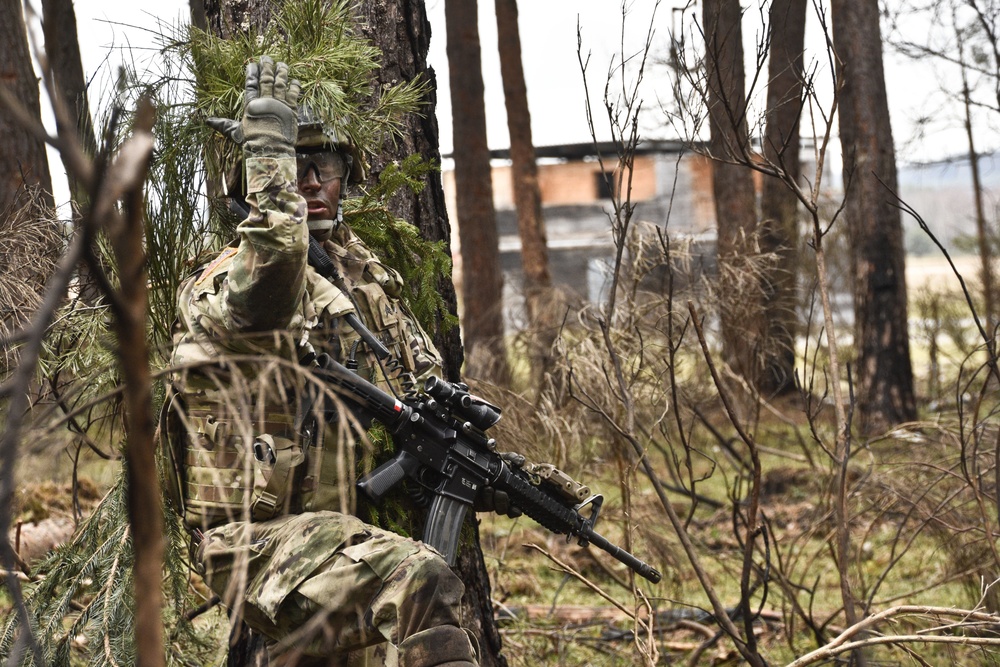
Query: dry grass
pixel 30 241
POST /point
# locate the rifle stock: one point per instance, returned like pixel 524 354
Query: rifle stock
pixel 441 444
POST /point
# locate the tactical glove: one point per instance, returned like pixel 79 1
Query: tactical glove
pixel 491 500
pixel 270 112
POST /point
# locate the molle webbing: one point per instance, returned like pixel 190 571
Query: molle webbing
pixel 234 465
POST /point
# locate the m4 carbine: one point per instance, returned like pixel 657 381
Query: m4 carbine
pixel 441 444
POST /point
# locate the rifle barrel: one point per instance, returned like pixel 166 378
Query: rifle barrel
pixel 641 568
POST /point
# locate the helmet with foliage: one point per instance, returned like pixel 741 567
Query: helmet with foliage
pixel 315 134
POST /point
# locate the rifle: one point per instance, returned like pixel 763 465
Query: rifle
pixel 441 444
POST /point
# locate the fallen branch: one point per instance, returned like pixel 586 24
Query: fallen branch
pixel 843 642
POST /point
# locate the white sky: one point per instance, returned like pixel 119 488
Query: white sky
pixel 549 53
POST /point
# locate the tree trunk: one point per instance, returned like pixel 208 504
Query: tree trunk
pixel 63 50
pixel 543 316
pixel 23 163
pixel 732 189
pixel 885 377
pixel 482 280
pixel 779 205
pixel 982 227
pixel 402 32
pixel 62 46
pixel 199 19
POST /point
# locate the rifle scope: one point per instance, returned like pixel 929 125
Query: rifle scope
pixel 457 399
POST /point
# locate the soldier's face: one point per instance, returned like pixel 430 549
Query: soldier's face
pixel 321 194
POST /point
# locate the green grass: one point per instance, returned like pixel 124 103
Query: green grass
pixel 891 560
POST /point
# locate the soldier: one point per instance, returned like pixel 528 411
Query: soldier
pixel 265 486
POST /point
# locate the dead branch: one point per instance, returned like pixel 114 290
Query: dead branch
pixel 846 641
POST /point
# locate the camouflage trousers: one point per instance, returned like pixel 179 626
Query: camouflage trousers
pixel 325 584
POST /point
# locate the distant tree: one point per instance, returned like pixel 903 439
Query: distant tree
pixel 983 234
pixel 732 187
pixel 779 204
pixel 527 195
pixel 884 374
pixel 482 279
pixel 23 163
pixel 62 48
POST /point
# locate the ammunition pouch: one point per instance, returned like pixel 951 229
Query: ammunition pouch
pixel 395 326
pixel 224 468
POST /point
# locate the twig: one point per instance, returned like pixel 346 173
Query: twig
pixel 751 522
pixel 586 582
pixel 843 642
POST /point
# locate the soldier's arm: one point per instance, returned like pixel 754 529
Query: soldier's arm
pixel 266 280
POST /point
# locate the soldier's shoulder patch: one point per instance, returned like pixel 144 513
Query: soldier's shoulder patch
pixel 216 264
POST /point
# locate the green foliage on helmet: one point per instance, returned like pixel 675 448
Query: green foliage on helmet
pixel 334 66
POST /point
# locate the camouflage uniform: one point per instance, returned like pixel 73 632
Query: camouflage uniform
pixel 279 543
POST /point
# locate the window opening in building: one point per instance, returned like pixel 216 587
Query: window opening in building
pixel 605 183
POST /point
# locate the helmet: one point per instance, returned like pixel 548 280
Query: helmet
pixel 314 133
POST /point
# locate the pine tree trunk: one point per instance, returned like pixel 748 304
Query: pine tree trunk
pixel 884 374
pixel 63 50
pixel 482 280
pixel 62 46
pixel 23 163
pixel 732 189
pixel 402 32
pixel 543 313
pixel 779 205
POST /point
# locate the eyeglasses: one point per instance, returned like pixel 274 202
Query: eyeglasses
pixel 328 165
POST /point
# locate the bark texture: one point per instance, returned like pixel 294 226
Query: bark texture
pixel 402 32
pixel 884 373
pixel 779 205
pixel 482 280
pixel 62 47
pixel 23 163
